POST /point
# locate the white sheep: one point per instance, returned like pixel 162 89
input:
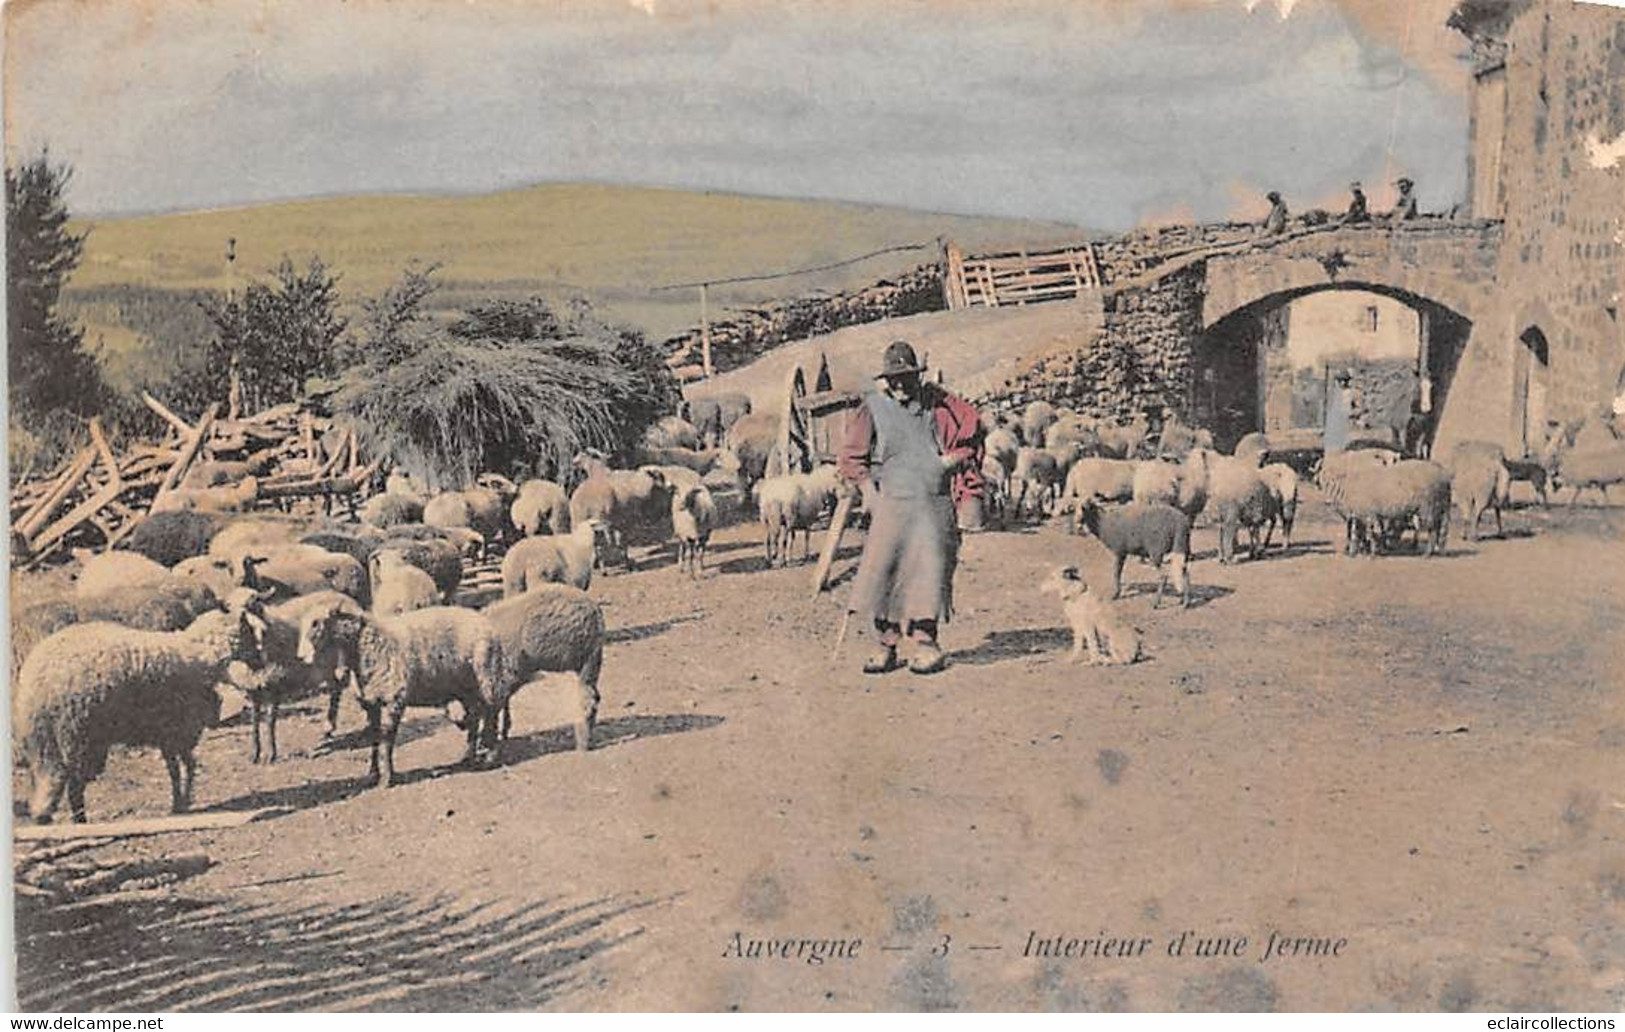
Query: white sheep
pixel 792 502
pixel 1035 480
pixel 1240 497
pixel 237 498
pixel 551 558
pixel 540 507
pixel 1282 481
pixel 693 514
pixel 1109 480
pixel 1184 485
pixel 1479 481
pixel 391 508
pixel 429 657
pixel 553 628
pixel 92 686
pixel 398 586
pixel 114 571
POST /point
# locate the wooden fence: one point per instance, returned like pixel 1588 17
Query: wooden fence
pixel 1019 277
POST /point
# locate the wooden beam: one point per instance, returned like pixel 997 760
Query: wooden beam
pixel 181 425
pixel 189 450
pixel 42 509
pixel 208 821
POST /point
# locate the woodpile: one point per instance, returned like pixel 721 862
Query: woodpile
pixel 98 497
pixel 67 872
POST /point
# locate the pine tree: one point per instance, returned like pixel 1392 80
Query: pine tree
pixel 50 370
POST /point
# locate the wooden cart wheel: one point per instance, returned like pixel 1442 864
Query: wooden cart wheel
pixel 794 451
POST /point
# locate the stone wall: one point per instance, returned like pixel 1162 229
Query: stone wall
pixel 744 337
pixel 1562 263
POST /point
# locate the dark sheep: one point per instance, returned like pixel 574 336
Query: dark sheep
pixel 1153 531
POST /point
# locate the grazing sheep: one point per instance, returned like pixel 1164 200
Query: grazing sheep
pixel 1124 442
pixel 482 509
pixel 169 537
pixel 390 509
pixel 1153 531
pixel 283 677
pixel 631 505
pixel 1479 481
pixel 398 586
pixel 712 418
pixel 1378 502
pixel 248 535
pixel 1036 420
pixel 1600 466
pixel 792 502
pixel 111 571
pixel 672 432
pixel 288 570
pixel 405 485
pixel 238 498
pixel 552 558
pixel 693 514
pixel 92 686
pixel 357 542
pixel 996 495
pixel 429 657
pixel 553 628
pixel 1533 472
pixel 1036 478
pixel 1075 431
pixel 1240 496
pixel 1175 438
pixel 540 507
pixel 1002 446
pixel 438 558
pixel 752 440
pixel 1110 480
pixel 697 462
pixel 217 573
pixel 1254 448
pixel 1183 485
pixel 1282 480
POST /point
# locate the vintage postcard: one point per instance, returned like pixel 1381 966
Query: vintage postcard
pixel 775 505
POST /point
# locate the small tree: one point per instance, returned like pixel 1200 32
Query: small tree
pixel 51 372
pixel 276 336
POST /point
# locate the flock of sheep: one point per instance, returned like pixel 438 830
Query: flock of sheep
pixel 279 608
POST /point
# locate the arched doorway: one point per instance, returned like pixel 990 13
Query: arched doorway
pixel 1530 386
pixel 1269 365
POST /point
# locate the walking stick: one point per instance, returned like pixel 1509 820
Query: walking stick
pixel 846 621
pixel 832 541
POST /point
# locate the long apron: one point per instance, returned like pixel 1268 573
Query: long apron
pixel 907 569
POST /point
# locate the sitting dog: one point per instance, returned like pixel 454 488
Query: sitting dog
pixel 1095 621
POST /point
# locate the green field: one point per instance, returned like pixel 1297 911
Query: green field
pixel 612 244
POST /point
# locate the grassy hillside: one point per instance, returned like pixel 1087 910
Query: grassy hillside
pixel 611 243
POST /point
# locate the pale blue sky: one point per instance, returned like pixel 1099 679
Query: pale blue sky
pixel 1090 111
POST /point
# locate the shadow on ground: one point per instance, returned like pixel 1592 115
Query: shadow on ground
pixel 390 954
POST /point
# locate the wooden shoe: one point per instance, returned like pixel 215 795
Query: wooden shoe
pixel 929 659
pixel 884 661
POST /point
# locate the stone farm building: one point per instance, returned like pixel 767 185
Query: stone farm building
pixel 1506 310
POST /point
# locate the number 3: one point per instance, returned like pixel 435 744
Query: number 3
pixel 942 951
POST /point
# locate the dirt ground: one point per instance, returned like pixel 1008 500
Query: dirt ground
pixel 1422 757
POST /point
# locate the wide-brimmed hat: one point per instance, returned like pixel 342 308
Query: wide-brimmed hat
pixel 900 360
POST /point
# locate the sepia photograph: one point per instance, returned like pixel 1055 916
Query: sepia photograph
pixel 816 505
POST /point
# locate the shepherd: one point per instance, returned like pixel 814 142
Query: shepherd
pixel 922 447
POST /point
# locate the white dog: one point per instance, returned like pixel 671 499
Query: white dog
pixel 1095 621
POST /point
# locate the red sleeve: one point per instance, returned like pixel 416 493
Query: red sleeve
pixel 959 427
pixel 857 446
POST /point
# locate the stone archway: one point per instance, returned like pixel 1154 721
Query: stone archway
pixel 1243 376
